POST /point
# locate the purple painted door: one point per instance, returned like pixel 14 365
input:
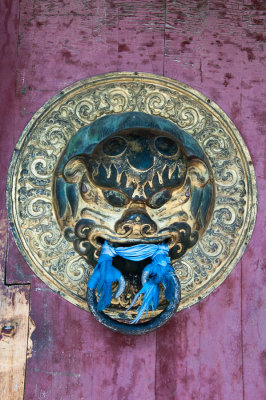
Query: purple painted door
pixel 216 350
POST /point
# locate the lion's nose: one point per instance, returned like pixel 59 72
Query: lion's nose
pixel 135 222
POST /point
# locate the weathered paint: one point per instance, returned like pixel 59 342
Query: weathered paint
pixel 14 323
pixel 215 350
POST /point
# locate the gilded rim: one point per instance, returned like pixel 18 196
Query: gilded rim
pixel 159 86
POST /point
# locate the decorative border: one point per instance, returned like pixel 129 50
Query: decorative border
pixel 29 184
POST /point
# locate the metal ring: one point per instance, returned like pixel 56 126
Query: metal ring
pixel 136 329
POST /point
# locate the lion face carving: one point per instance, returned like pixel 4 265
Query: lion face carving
pixel 137 185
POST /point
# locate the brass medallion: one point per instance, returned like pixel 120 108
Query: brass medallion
pixel 184 168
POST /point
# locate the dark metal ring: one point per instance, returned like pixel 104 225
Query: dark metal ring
pixel 136 329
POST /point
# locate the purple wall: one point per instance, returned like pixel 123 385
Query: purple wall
pixel 215 350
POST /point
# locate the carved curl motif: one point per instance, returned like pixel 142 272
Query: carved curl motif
pixel 30 182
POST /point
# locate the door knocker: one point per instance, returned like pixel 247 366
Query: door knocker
pixel 133 196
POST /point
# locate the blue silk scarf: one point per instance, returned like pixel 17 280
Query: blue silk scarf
pixel 159 271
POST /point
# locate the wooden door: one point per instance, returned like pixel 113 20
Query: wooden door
pixel 214 351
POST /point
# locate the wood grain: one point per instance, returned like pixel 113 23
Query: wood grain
pixel 14 321
pixel 14 300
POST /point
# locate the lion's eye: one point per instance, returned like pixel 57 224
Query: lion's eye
pixel 159 199
pixel 116 199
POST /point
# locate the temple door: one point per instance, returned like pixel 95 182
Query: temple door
pixel 216 349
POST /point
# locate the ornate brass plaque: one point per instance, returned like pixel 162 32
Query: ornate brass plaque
pixel 131 158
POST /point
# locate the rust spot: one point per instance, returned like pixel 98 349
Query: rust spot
pixel 68 57
pixel 40 23
pixel 227 77
pixel 250 53
pixel 66 54
pixel 222 13
pixel 180 15
pixel 184 44
pixel 123 47
pixel 258 21
pixel 149 44
pixel 259 37
pixel 257 5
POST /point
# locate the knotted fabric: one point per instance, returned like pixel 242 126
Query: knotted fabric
pixel 159 271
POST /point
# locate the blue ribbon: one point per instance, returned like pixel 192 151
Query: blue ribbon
pixel 158 272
